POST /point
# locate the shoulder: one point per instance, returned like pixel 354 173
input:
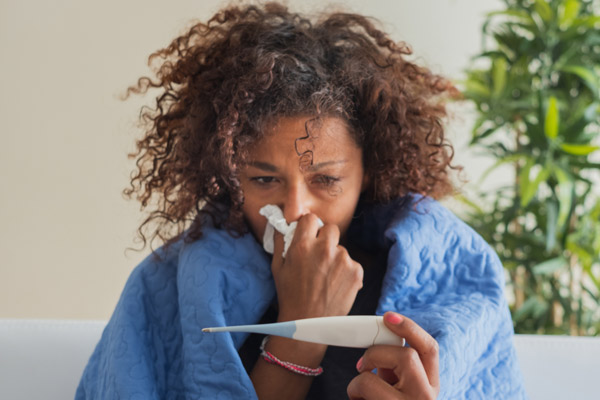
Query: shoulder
pixel 151 287
pixel 425 222
pixel 160 265
pixel 430 243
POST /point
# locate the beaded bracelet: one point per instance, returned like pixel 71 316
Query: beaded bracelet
pixel 298 369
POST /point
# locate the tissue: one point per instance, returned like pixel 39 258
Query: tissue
pixel 276 221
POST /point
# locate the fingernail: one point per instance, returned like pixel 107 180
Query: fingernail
pixel 393 318
pixel 359 364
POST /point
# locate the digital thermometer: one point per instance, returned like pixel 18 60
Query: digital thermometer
pixel 360 331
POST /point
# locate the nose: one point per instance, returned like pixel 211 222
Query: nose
pixel 296 203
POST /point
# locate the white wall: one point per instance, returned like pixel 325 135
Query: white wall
pixel 65 134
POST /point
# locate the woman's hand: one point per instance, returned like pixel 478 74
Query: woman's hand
pixel 402 372
pixel 317 278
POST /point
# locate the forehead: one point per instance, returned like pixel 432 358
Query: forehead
pixel 293 136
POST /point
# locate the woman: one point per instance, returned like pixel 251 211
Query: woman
pixel 328 121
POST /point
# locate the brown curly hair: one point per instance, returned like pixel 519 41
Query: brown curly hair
pixel 222 82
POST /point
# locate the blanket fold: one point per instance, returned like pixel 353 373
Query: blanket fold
pixel 440 273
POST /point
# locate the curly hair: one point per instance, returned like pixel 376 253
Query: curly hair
pixel 224 81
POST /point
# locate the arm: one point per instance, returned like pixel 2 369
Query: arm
pixel 316 279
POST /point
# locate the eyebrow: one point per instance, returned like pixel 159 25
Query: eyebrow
pixel 315 167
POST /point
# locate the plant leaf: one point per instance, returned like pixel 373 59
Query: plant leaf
pixel 499 75
pixel 528 308
pixel 583 256
pixel 477 137
pixel 471 204
pixel 578 149
pixel 587 22
pixel 565 196
pixel 565 201
pixel 550 266
pixel 511 158
pixel 530 188
pixel 551 123
pixel 551 225
pixel 585 164
pixel 474 88
pixel 591 294
pixel 588 76
pixel 544 10
pixel 577 128
pixel 568 11
pixel 524 181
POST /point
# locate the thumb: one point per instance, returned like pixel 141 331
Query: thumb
pixel 278 259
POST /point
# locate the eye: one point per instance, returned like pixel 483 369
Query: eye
pixel 326 180
pixel 263 180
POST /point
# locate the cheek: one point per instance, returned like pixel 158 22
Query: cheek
pixel 258 227
pixel 256 221
pixel 342 211
pixel 343 214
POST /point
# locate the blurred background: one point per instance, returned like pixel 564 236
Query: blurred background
pixel 65 132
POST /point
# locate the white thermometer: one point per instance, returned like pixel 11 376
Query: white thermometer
pixel 360 331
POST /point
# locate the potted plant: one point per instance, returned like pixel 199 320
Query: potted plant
pixel 536 90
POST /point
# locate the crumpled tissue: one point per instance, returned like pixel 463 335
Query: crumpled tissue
pixel 276 220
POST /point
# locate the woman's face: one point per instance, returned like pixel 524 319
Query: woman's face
pixel 329 188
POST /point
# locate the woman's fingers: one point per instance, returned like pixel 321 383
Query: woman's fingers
pixel 278 245
pixel 330 235
pixel 418 339
pixel 408 371
pixel 368 386
pixel 307 228
pixel 397 366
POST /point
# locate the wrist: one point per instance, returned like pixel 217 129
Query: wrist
pixel 295 368
pixel 295 313
pixel 295 351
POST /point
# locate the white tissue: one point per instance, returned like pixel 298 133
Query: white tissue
pixel 276 220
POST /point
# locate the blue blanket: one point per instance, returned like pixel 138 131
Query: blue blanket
pixel 440 273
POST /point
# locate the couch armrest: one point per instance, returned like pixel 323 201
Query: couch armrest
pixel 44 359
pixel 559 367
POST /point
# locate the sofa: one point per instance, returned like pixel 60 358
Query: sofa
pixel 44 359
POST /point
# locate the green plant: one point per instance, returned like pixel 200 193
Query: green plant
pixel 536 89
